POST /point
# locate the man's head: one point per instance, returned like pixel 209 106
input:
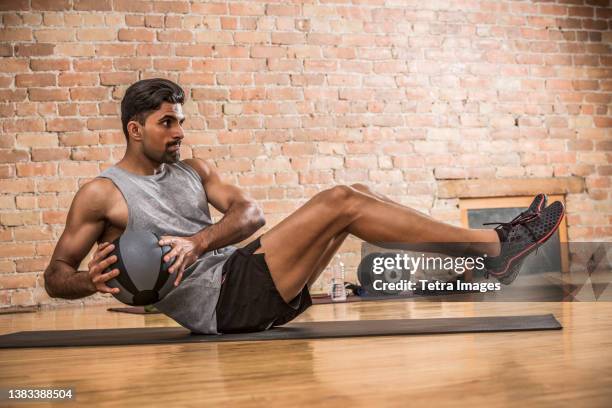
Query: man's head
pixel 152 115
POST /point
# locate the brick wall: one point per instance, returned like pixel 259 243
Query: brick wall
pixel 290 97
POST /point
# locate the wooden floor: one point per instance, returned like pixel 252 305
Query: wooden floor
pixel 571 367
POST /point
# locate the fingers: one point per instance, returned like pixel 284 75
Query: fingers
pixel 171 254
pixel 102 252
pixel 177 262
pixel 101 279
pixel 185 261
pixel 179 277
pixel 101 266
pixel 98 265
pixel 97 275
pixel 105 249
pixel 174 253
pixel 104 277
pixel 178 265
pixel 102 246
pixel 107 289
pixel 166 240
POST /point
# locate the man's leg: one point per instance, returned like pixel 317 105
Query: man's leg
pixel 337 241
pixel 299 247
pixel 326 257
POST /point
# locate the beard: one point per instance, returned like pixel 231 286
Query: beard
pixel 171 157
pixel 164 157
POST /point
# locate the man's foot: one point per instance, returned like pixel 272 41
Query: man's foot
pixel 538 203
pixel 520 237
pixel 536 206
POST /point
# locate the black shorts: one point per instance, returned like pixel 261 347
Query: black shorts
pixel 249 300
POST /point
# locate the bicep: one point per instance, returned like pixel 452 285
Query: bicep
pixel 84 224
pixel 220 194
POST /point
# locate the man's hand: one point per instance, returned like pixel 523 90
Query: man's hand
pixel 185 250
pixel 98 264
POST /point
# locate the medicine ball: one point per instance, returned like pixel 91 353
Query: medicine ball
pixel 143 275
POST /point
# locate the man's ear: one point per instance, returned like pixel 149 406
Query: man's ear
pixel 135 130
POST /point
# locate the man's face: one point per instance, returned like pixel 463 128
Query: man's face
pixel 162 133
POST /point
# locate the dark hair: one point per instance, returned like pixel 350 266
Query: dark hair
pixel 145 96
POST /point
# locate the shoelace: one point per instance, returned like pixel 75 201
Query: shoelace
pixel 521 219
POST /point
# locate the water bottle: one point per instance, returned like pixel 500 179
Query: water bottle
pixel 338 293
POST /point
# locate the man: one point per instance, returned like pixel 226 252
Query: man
pixel 223 289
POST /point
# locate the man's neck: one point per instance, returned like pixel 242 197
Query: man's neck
pixel 143 167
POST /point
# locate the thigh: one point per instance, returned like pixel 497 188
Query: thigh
pixel 293 248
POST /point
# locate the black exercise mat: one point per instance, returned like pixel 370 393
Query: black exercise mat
pixel 133 310
pixel 306 330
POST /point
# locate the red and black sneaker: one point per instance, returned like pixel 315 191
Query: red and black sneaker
pixel 520 237
pixel 538 203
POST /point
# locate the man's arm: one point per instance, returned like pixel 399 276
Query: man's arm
pixel 242 216
pixel 84 224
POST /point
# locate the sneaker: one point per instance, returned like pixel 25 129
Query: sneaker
pixel 520 237
pixel 538 204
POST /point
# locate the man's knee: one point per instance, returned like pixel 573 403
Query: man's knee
pixel 340 197
pixel 361 187
pixel 343 203
pixel 340 193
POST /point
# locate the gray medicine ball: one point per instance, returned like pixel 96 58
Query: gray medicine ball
pixel 143 275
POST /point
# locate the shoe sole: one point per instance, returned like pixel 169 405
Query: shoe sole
pixel 531 247
pixel 512 275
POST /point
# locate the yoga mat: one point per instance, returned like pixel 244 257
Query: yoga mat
pixel 306 330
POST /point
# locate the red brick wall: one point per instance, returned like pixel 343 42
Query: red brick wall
pixel 290 97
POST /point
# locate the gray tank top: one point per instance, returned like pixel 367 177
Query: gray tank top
pixel 173 202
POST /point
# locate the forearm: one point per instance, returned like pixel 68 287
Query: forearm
pixel 239 222
pixel 63 281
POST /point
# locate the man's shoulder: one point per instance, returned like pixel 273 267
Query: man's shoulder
pixel 199 165
pixel 195 161
pixel 98 186
pixel 96 194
